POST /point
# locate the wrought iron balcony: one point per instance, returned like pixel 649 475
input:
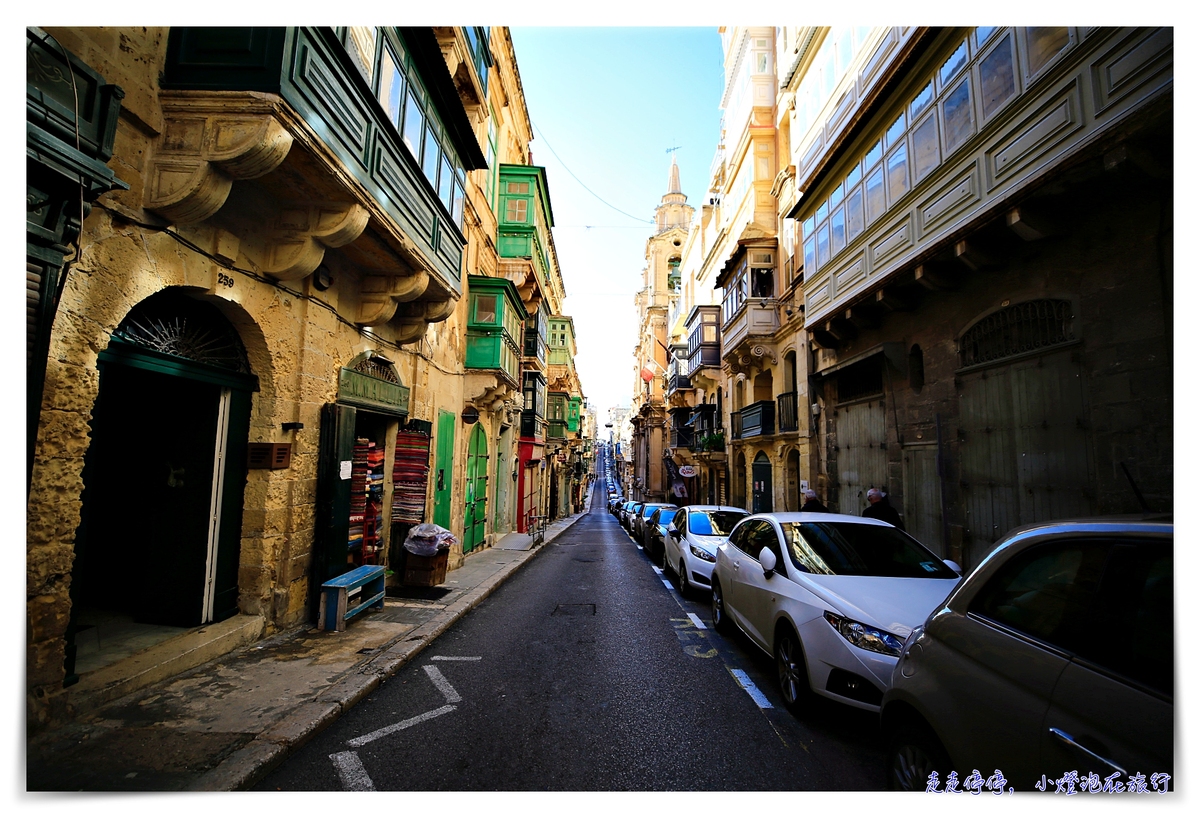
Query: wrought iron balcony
pixel 789 420
pixel 681 437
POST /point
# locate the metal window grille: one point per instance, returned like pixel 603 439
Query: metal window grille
pixel 1016 330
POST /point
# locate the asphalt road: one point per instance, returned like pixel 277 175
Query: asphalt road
pixel 587 671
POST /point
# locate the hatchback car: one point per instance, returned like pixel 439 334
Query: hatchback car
pixel 638 527
pixel 1055 654
pixel 653 530
pixel 832 597
pixel 631 510
pixel 690 543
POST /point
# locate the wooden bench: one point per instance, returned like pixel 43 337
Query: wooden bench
pixel 336 592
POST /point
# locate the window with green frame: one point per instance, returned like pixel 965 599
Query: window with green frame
pixel 517 200
pixel 381 58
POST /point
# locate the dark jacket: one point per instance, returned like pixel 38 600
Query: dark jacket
pixel 883 511
pixel 814 505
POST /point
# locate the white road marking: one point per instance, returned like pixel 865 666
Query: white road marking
pixel 750 688
pixel 456 658
pixel 668 585
pixel 439 681
pixel 351 772
pixel 699 623
pixel 657 570
pixel 404 725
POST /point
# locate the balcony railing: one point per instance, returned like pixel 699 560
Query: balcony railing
pixel 789 420
pixel 758 419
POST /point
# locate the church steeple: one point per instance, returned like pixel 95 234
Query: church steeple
pixel 673 211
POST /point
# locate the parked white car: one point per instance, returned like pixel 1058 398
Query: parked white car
pixel 690 542
pixel 832 597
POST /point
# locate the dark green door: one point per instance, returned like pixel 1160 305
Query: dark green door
pixel 761 475
pixel 474 523
pixel 443 470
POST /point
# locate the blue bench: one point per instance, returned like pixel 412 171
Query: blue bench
pixel 336 592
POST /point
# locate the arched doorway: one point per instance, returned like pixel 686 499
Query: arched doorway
pixel 164 476
pixel 475 521
pixel 762 491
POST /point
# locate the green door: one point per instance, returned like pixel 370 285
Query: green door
pixel 443 470
pixel 477 480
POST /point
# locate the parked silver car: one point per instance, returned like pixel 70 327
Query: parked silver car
pixel 1053 659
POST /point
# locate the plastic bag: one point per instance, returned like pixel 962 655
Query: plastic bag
pixel 426 539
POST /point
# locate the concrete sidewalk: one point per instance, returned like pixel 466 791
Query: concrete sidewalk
pixel 225 724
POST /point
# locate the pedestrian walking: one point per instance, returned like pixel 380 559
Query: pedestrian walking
pixel 811 503
pixel 881 509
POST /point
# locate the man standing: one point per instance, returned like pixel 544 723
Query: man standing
pixel 811 503
pixel 881 509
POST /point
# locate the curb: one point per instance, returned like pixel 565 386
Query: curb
pixel 248 765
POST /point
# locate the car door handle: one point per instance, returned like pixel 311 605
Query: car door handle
pixel 1070 741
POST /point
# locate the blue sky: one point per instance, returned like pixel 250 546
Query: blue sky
pixel 606 104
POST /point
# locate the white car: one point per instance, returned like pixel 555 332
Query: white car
pixel 831 597
pixel 690 543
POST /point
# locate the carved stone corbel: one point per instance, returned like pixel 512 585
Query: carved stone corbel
pixel 298 237
pixel 414 318
pixel 764 351
pixel 383 294
pixel 199 155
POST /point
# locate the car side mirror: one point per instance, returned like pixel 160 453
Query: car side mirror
pixel 954 566
pixel 672 530
pixel 766 558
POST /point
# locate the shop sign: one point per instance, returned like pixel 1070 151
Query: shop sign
pixel 687 471
pixel 369 392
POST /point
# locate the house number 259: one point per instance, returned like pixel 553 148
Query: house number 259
pixel 224 280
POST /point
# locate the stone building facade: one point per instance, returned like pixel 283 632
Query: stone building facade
pixel 285 281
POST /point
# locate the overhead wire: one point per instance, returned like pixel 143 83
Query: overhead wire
pixel 577 179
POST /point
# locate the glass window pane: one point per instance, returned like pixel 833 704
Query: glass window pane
pixel 822 245
pixel 996 77
pixel 982 33
pixel 844 50
pixel 810 224
pixel 925 147
pixel 429 162
pixel 810 256
pixel 762 283
pixel 853 176
pixel 873 156
pixel 897 173
pixel 446 185
pixel 896 132
pixel 485 309
pixel 391 87
pixel 875 201
pixel 952 65
pixel 921 100
pixel 837 231
pixel 957 115
pixel 1044 43
pixel 822 211
pixel 854 214
pixel 360 44
pixel 459 202
pixel 835 196
pixel 414 124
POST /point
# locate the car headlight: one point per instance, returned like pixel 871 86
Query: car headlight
pixel 700 553
pixel 865 636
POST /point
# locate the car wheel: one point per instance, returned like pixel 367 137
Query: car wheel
pixel 720 619
pixel 685 587
pixel 914 752
pixel 792 672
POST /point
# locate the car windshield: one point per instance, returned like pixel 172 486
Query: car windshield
pixel 860 550
pixel 713 523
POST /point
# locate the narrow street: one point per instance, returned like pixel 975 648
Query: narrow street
pixel 586 671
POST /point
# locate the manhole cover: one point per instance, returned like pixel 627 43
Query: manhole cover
pixel 587 609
